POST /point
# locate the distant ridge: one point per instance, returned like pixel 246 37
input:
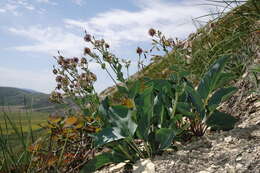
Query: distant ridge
pixel 26 98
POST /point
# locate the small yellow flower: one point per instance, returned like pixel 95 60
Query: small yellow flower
pixel 70 121
pixel 52 161
pixel 79 125
pixel 97 129
pixel 54 120
pixel 128 103
pixel 34 147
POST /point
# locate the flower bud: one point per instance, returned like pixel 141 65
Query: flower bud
pixel 152 32
pixel 87 51
pixel 139 51
pixel 107 46
pixel 87 38
pixel 75 59
pixel 55 71
pixel 58 78
pixel 83 61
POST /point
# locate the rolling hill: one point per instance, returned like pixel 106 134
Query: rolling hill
pixel 25 98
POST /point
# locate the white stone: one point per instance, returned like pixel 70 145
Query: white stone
pixel 239 166
pixel 238 158
pixel 117 167
pixel 228 139
pixel 144 166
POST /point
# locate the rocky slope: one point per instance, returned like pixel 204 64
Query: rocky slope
pixel 234 151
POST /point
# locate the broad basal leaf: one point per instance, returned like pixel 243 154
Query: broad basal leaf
pixel 220 96
pixel 107 135
pixel 164 137
pixel 134 89
pixel 122 118
pixel 196 100
pixel 224 78
pixel 185 109
pixel 144 104
pixel 208 82
pixel 100 161
pixel 221 121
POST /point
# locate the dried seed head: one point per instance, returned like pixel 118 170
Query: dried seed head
pixel 83 61
pixel 87 38
pixel 75 59
pixel 58 79
pixel 152 32
pixel 58 86
pixel 56 97
pixel 139 50
pixel 98 43
pixel 107 46
pixel 65 81
pixel 87 51
pixel 55 71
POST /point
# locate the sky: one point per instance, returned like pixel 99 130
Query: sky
pixel 33 31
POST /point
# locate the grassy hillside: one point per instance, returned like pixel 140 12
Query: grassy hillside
pixel 235 33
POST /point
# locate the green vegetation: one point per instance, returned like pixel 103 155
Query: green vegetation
pixel 173 99
pixel 26 120
pixel 156 115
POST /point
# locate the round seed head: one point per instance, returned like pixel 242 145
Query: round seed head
pixel 152 32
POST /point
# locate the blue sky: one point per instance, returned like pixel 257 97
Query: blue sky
pixel 32 31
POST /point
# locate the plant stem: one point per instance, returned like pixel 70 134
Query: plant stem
pixel 175 104
pixel 125 152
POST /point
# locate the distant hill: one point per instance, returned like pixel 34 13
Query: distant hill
pixel 26 98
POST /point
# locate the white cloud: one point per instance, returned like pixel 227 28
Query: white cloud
pixel 44 1
pixel 9 7
pixel 47 2
pixel 50 40
pixel 78 2
pixel 14 6
pixel 172 18
pixel 120 25
pixel 40 81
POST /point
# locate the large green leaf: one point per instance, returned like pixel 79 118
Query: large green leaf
pixel 122 89
pixel 159 111
pixel 196 100
pixel 134 89
pixel 104 110
pixel 185 109
pixel 144 104
pixel 220 96
pixel 107 135
pixel 164 137
pixel 100 161
pixel 119 124
pixel 224 78
pixel 209 81
pixel 122 118
pixel 221 121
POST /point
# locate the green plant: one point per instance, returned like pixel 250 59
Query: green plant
pixel 15 156
pixel 200 105
pixel 153 114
